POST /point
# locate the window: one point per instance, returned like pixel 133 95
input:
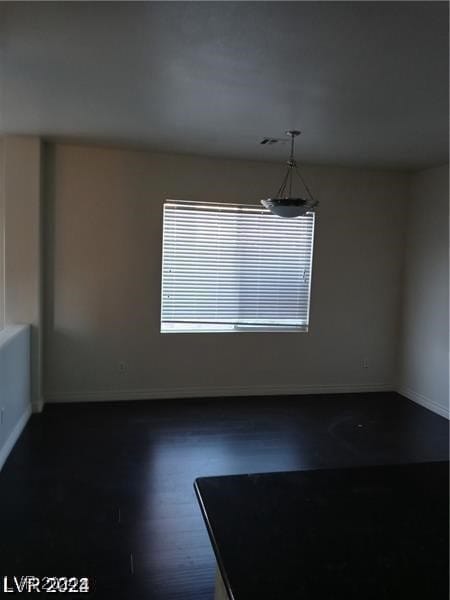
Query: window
pixel 232 267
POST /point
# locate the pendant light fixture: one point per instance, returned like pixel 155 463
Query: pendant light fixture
pixel 284 204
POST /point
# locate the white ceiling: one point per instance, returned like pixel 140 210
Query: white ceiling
pixel 366 82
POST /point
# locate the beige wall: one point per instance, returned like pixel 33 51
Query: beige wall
pixel 424 363
pixel 22 243
pixel 103 219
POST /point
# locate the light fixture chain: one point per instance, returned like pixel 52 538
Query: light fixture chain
pixel 283 185
pixel 292 147
pixel 304 184
pixel 290 181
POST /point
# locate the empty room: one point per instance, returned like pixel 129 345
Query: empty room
pixel 224 300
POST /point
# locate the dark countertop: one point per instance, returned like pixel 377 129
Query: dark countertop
pixel 362 533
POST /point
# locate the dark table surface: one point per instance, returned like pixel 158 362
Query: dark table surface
pixel 367 533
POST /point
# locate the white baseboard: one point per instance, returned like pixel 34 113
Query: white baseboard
pixel 424 401
pixel 37 407
pixel 213 391
pixel 13 437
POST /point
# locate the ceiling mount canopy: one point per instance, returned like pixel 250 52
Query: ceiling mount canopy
pixel 284 204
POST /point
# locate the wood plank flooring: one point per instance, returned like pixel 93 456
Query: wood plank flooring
pixel 105 490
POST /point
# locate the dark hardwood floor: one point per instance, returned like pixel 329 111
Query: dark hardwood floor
pixel 105 490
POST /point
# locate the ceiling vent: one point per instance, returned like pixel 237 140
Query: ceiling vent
pixel 270 141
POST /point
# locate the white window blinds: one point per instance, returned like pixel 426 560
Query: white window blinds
pixel 234 267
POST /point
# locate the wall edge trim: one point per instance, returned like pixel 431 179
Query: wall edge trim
pixel 424 401
pixel 38 406
pixel 11 440
pixel 192 392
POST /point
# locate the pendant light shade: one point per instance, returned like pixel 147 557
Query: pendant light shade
pixel 284 204
pixel 288 207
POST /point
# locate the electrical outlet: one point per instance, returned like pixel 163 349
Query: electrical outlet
pixel 365 363
pixel 123 367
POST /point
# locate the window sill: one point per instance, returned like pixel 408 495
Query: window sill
pixel 239 330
